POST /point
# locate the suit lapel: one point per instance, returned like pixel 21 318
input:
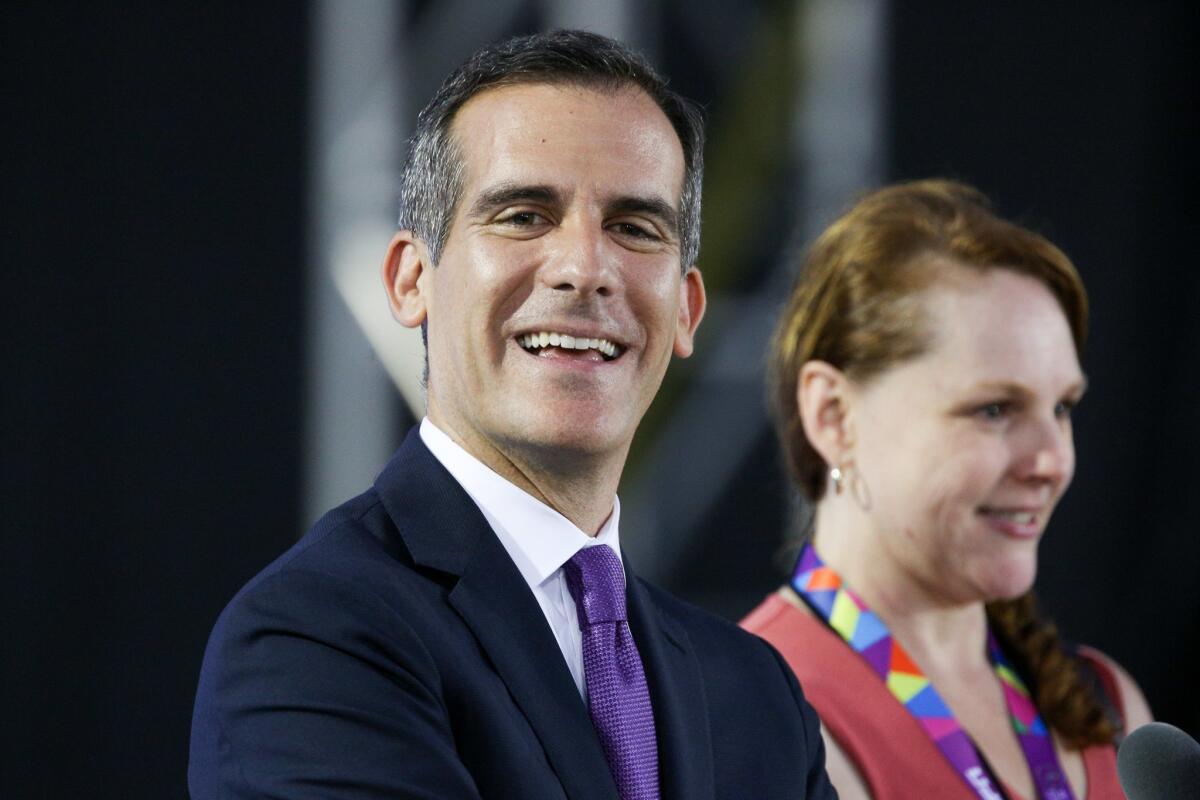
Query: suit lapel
pixel 677 694
pixel 447 532
pixel 496 603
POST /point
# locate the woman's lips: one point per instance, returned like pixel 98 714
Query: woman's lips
pixel 1020 523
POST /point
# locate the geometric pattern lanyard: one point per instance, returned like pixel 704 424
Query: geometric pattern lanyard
pixel 846 613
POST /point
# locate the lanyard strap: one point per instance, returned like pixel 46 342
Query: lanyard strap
pixel 864 631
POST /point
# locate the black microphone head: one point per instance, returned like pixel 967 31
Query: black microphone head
pixel 1159 762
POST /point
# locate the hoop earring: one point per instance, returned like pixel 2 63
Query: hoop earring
pixel 848 477
pixel 860 491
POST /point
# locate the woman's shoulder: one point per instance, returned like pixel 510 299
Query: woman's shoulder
pixel 806 643
pixel 1119 687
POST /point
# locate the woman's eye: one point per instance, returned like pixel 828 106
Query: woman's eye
pixel 1063 408
pixel 993 410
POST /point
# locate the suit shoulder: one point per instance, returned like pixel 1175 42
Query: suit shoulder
pixel 347 585
pixel 355 531
pixel 327 655
pixel 350 551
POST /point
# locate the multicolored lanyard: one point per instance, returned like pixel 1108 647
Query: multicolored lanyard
pixel 848 615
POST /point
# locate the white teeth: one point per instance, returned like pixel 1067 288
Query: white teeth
pixel 533 341
pixel 1019 517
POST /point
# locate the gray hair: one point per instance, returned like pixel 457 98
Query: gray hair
pixel 432 184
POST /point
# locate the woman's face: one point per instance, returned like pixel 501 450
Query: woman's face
pixel 965 451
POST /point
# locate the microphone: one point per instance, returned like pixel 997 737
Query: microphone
pixel 1158 761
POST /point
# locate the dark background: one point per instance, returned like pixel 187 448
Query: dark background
pixel 154 263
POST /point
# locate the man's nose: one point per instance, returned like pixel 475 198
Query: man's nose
pixel 580 260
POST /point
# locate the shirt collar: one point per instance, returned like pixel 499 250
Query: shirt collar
pixel 538 539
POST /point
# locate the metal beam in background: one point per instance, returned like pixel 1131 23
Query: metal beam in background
pixel 611 18
pixel 839 148
pixel 841 113
pixel 357 86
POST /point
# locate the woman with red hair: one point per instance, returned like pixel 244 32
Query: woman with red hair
pixel 923 376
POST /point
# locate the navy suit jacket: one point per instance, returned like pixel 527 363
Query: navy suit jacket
pixel 396 652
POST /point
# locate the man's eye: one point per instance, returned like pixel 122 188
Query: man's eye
pixel 522 219
pixel 635 231
pixel 1063 408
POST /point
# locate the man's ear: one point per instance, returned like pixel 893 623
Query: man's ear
pixel 823 398
pixel 405 280
pixel 692 301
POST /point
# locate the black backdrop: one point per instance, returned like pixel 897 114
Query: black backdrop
pixel 154 318
pixel 154 278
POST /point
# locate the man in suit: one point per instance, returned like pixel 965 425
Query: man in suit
pixel 466 628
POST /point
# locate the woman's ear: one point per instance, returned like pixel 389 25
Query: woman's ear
pixel 823 396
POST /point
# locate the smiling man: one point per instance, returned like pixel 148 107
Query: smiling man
pixel 467 627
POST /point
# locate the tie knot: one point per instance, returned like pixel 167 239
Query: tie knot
pixel 597 583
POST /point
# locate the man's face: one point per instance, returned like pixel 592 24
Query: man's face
pixel 566 233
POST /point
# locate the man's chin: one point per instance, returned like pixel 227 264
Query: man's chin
pixel 565 440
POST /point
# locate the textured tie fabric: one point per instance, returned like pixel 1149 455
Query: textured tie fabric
pixel 618 699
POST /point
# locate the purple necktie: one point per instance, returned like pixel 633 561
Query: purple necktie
pixel 618 698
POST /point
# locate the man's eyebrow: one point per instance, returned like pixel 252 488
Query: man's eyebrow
pixel 649 206
pixel 507 194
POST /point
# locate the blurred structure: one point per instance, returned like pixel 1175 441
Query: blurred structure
pixel 199 359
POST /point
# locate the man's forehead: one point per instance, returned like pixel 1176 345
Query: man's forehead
pixel 514 125
pixel 627 91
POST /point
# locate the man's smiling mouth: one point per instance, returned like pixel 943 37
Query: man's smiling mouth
pixel 543 340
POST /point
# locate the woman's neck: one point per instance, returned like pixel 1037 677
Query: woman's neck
pixel 939 632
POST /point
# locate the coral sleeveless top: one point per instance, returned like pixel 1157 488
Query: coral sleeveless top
pixel 893 754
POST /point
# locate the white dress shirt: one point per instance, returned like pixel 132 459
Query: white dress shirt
pixel 537 538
